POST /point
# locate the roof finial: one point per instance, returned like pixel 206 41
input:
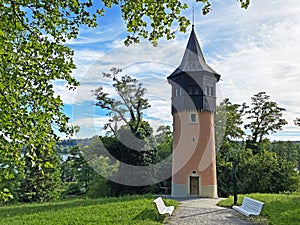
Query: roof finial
pixel 193 21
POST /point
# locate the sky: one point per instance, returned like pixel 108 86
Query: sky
pixel 254 50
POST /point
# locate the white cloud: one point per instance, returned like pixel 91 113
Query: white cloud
pixel 268 60
pixel 254 50
pixel 104 33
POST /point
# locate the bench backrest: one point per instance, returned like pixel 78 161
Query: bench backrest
pixel 159 204
pixel 252 204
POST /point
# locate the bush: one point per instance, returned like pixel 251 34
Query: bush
pixel 267 173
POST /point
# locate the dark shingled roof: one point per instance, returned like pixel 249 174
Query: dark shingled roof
pixel 193 60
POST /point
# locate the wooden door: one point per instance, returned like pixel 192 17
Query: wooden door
pixel 194 185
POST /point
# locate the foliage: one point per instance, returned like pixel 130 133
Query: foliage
pixel 230 152
pixel 153 20
pixel 76 172
pixel 79 170
pixel 128 107
pixel 102 165
pixel 41 185
pixel 134 142
pixel 100 187
pixel 288 150
pixel 228 120
pixel 265 172
pixel 164 140
pixel 265 117
pixel 279 209
pixel 125 210
pixel 32 56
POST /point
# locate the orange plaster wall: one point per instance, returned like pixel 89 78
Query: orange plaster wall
pixel 189 155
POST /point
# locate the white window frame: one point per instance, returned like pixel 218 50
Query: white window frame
pixel 196 117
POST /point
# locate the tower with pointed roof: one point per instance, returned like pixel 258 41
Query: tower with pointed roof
pixel 193 108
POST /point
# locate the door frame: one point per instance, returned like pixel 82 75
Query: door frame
pixel 189 184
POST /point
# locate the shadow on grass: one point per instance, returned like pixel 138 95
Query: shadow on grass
pixel 35 208
pixel 149 214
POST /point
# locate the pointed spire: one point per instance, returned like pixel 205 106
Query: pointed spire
pixel 193 17
pixel 193 59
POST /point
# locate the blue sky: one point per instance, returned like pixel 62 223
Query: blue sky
pixel 254 50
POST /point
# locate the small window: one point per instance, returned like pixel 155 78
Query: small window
pixel 193 117
pixel 180 91
pixel 206 90
pixel 211 91
pixel 190 90
pixel 176 92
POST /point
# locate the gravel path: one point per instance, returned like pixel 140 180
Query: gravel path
pixel 205 211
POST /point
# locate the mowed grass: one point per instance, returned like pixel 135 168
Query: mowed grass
pixel 279 209
pixel 123 210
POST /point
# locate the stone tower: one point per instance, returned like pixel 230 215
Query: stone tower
pixel 193 108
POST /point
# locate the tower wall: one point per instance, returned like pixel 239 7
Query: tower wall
pixel 194 154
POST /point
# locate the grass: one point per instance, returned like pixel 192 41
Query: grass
pixel 123 210
pixel 279 209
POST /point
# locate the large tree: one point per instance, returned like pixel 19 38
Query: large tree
pixel 128 106
pixel 126 117
pixel 32 55
pixel 265 117
pixel 228 122
pixel 135 141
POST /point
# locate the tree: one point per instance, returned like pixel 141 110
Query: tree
pixel 164 140
pixel 32 56
pixel 130 105
pixel 135 144
pixel 128 109
pixel 265 172
pixel 265 118
pixel 287 150
pixel 153 20
pixel 41 185
pixel 76 172
pixel 228 121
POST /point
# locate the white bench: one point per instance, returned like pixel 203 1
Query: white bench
pixel 249 207
pixel 162 208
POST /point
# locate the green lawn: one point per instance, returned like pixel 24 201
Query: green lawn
pixel 124 210
pixel 280 209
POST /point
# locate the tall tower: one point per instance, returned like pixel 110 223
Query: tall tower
pixel 193 108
